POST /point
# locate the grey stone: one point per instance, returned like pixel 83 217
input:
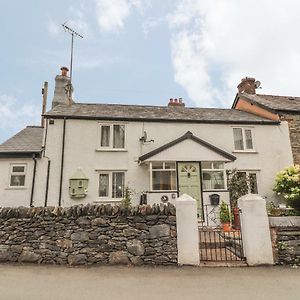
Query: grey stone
pixel 80 236
pixel 83 221
pixel 135 247
pixel 5 256
pixel 136 260
pixel 119 257
pixel 157 231
pixel 77 259
pixel 64 243
pixel 99 221
pixel 29 256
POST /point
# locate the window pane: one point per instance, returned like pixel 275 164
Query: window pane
pixel 18 169
pixel 248 136
pixel 105 136
pixel 238 139
pixel 118 184
pixel 119 136
pixel 170 166
pixel 218 165
pixel 157 165
pixel 213 180
pixel 164 180
pixel 17 180
pixel 103 185
pixel 253 183
pixel 206 165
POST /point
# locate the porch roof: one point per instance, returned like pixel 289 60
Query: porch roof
pixel 188 136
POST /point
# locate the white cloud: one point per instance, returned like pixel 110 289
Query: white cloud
pixel 215 43
pixel 15 116
pixel 111 14
pixel 53 28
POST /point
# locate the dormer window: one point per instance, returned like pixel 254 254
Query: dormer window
pixel 112 136
pixel 243 139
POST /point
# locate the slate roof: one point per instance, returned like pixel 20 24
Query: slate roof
pixel 154 113
pixel 274 103
pixel 25 143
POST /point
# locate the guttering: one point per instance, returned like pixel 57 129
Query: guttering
pixel 262 122
pixel 62 162
pixel 33 180
pixel 21 154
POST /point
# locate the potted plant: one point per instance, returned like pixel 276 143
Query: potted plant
pixel 225 216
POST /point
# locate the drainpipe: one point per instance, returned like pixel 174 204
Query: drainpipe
pixel 62 162
pixel 47 182
pixel 33 180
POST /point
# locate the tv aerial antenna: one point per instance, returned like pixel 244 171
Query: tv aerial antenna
pixel 73 34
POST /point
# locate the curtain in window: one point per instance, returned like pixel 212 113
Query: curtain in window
pixel 213 180
pixel 164 180
pixel 248 136
pixel 105 136
pixel 103 185
pixel 118 185
pixel 238 138
pixel 119 136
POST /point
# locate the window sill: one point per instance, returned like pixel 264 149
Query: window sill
pixel 244 151
pixel 16 188
pixel 215 191
pixel 108 200
pixel 110 150
pixel 167 191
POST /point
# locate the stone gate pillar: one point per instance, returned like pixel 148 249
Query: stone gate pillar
pixel 187 231
pixel 255 230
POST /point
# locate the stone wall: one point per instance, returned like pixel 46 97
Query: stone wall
pixel 285 233
pixel 86 235
pixel 294 128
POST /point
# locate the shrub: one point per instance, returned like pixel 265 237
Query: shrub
pixel 287 184
pixel 238 186
pixel 126 201
pixel 224 213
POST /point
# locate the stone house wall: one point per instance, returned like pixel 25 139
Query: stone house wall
pixel 294 129
pixel 87 235
pixel 285 232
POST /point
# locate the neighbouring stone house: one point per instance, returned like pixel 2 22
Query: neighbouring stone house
pixel 89 152
pixel 277 108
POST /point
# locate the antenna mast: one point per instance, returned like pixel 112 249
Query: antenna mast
pixel 73 33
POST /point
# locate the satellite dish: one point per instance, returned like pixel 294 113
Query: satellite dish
pixel 257 84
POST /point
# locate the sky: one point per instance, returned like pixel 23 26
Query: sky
pixel 145 52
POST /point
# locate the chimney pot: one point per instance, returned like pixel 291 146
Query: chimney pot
pixel 176 102
pixel 64 71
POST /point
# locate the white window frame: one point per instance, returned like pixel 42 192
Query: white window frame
pixel 244 139
pixel 110 185
pixel 17 173
pixel 212 170
pixel 248 172
pixel 111 136
pixel 163 169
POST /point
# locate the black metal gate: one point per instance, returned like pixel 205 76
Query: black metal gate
pixel 217 244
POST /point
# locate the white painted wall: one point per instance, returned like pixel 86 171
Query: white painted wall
pixel 272 145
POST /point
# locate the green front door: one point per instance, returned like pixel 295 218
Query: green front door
pixel 189 182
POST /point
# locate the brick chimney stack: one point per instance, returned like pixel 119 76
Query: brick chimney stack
pixel 247 85
pixel 176 102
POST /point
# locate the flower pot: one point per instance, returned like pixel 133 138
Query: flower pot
pixel 226 227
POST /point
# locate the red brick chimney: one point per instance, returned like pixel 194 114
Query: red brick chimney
pixel 176 102
pixel 247 85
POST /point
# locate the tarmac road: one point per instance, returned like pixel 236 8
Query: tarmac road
pixel 143 283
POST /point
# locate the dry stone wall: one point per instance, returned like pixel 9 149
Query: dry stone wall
pixel 285 233
pixel 86 235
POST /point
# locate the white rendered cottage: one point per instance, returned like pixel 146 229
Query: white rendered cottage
pixel 157 151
